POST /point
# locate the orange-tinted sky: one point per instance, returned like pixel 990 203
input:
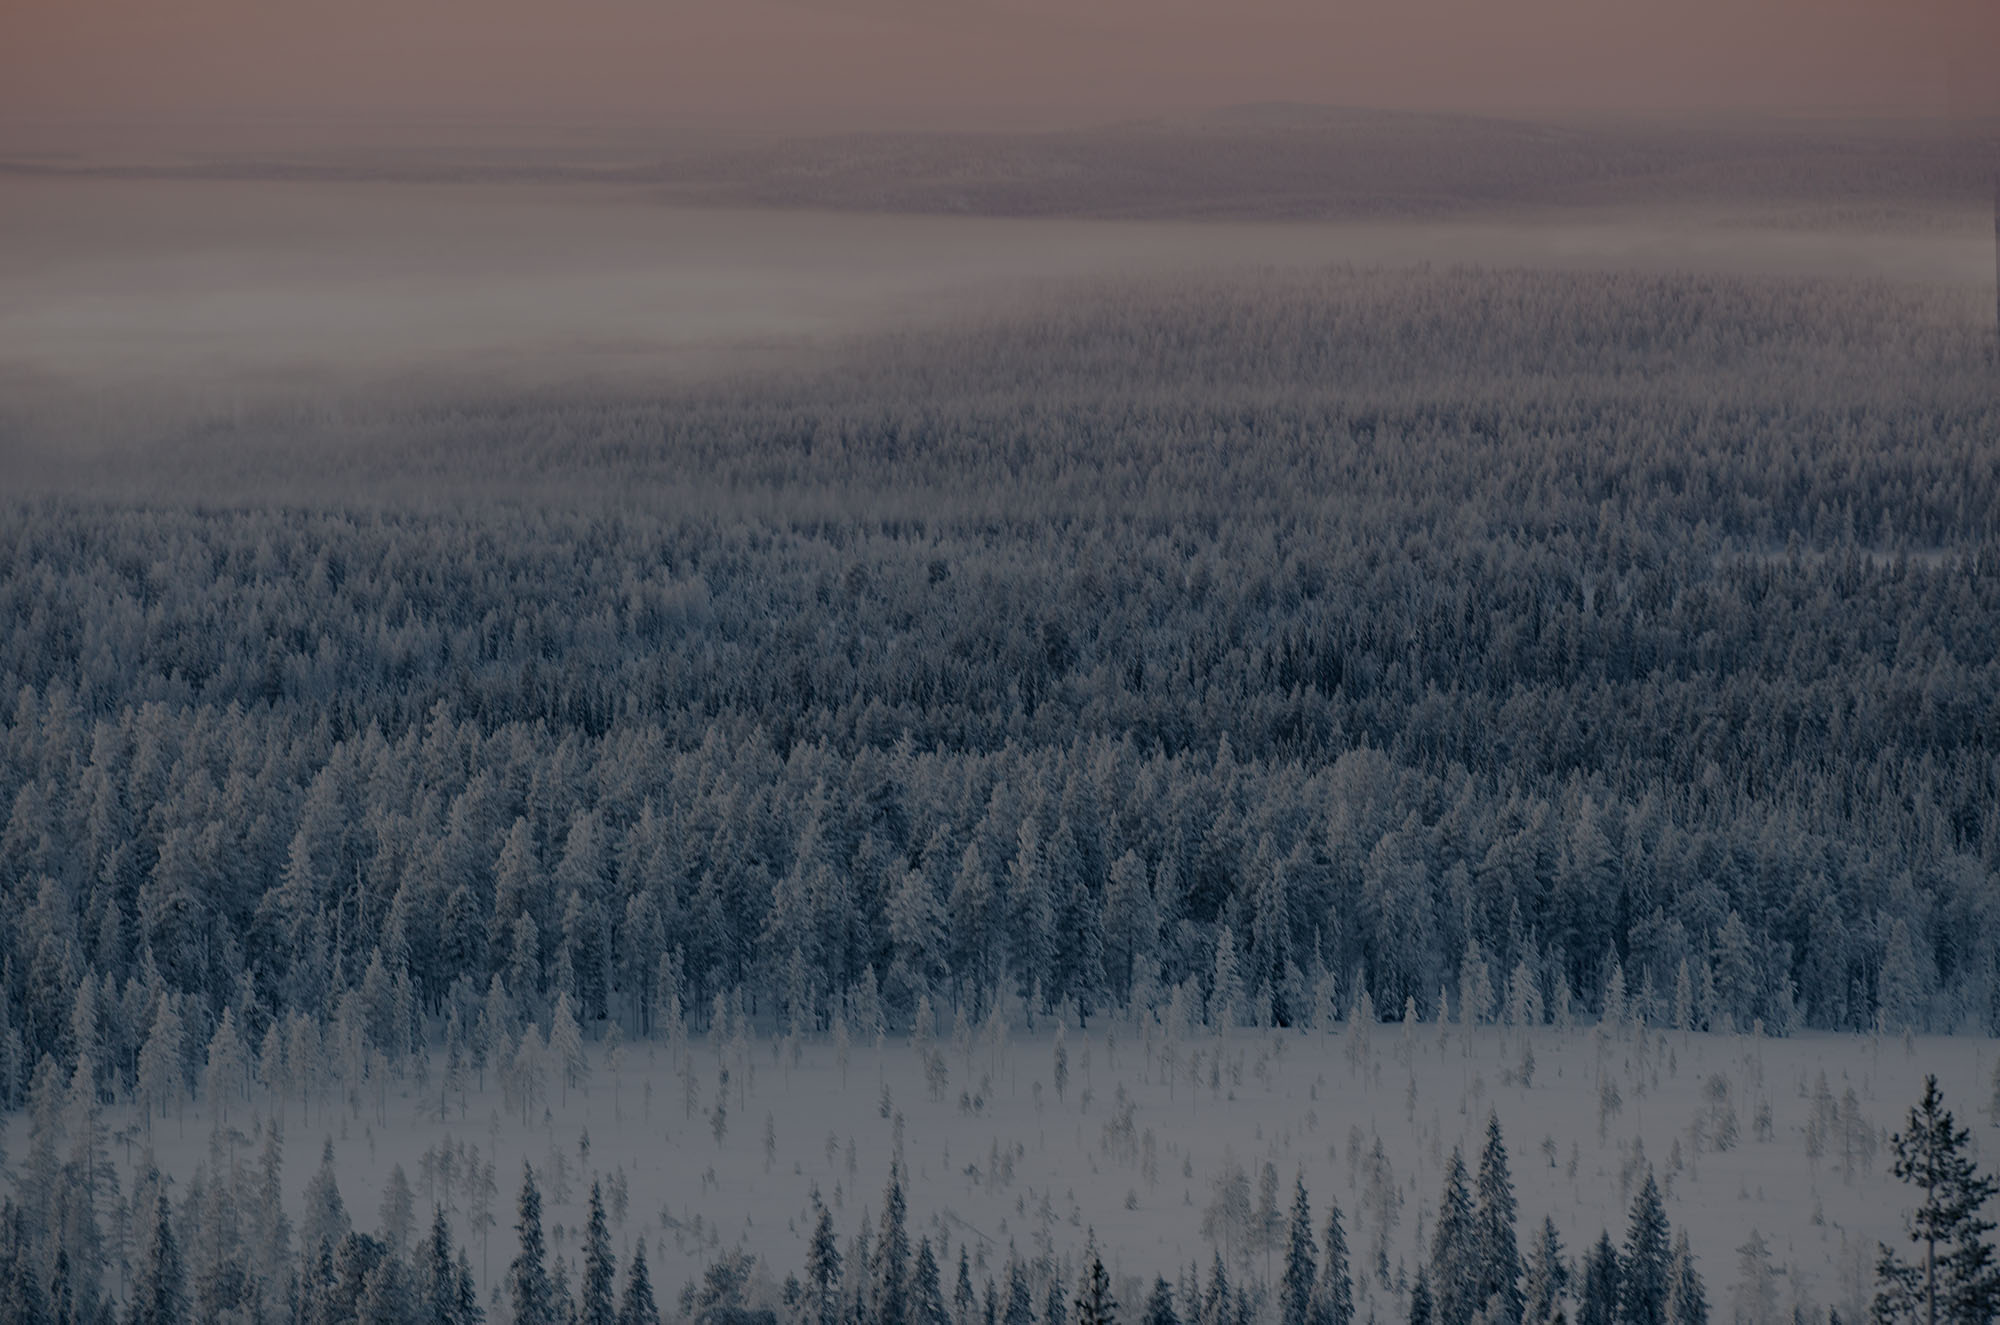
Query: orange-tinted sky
pixel 825 61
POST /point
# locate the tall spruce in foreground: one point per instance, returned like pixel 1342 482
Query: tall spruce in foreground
pixel 1455 1260
pixel 1333 1295
pixel 1422 1309
pixel 638 1306
pixel 823 1267
pixel 892 1257
pixel 528 1287
pixel 1687 1301
pixel 1646 1267
pixel 1499 1291
pixel 1956 1280
pixel 1094 1303
pixel 927 1288
pixel 159 1296
pixel 1548 1279
pixel 1160 1305
pixel 1599 1302
pixel 599 1271
pixel 1301 1271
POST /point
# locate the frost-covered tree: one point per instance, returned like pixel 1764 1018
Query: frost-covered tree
pixel 1499 1258
pixel 530 1293
pixel 1957 1280
pixel 1301 1274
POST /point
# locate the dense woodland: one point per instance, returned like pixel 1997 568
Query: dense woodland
pixel 1480 643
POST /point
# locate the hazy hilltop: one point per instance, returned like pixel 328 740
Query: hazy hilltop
pixel 1296 162
pixel 1266 161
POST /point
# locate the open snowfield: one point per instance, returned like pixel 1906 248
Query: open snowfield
pixel 1134 1150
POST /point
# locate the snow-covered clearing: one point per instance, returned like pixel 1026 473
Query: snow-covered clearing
pixel 1136 1142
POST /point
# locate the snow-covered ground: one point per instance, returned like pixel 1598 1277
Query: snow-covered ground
pixel 1136 1142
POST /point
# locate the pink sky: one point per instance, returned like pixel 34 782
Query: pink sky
pixel 825 61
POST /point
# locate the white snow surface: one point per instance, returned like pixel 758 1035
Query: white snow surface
pixel 1307 1102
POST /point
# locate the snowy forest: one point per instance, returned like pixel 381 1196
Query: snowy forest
pixel 1512 682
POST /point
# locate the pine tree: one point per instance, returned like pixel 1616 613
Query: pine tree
pixel 566 1044
pixel 160 1077
pixel 159 1294
pixel 1455 1258
pixel 324 1221
pixel 1020 1306
pixel 1225 997
pixel 1687 1301
pixel 638 1307
pixel 1599 1303
pixel 891 1269
pixel 1094 1303
pixel 398 1215
pixel 439 1287
pixel 1646 1263
pixel 599 1306
pixel 963 1300
pixel 1423 1309
pixel 823 1268
pixel 1499 1289
pixel 1548 1278
pixel 1756 1292
pixel 528 1287
pixel 1301 1270
pixel 927 1289
pixel 1957 1280
pixel 1333 1297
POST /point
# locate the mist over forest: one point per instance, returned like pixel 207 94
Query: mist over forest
pixel 1229 590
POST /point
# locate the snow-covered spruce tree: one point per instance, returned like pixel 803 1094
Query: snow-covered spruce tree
pixel 598 1305
pixel 1687 1300
pixel 1295 1297
pixel 529 1291
pixel 1333 1294
pixel 1547 1287
pixel 823 1268
pixel 890 1273
pixel 927 1288
pixel 1423 1306
pixel 1645 1265
pixel 1455 1249
pixel 1598 1303
pixel 1094 1304
pixel 637 1306
pixel 159 1291
pixel 1498 1294
pixel 1159 1309
pixel 1956 1280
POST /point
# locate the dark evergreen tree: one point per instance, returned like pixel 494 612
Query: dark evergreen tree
pixel 1301 1276
pixel 530 1290
pixel 889 1289
pixel 1547 1287
pixel 1499 1292
pixel 1455 1249
pixel 1094 1303
pixel 1599 1303
pixel 1645 1266
pixel 1957 1279
pixel 927 1289
pixel 1423 1310
pixel 823 1268
pixel 599 1304
pixel 963 1300
pixel 1333 1297
pixel 1687 1300
pixel 159 1292
pixel 637 1307
pixel 1160 1305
